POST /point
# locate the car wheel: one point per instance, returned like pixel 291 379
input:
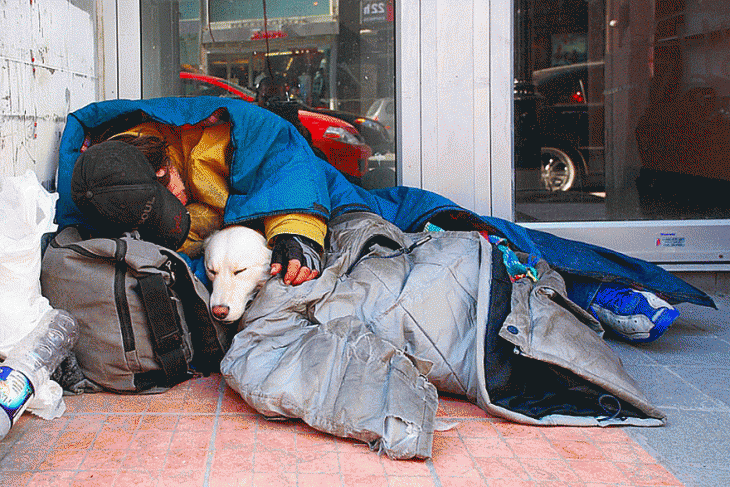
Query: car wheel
pixel 558 170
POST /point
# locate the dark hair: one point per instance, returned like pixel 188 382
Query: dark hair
pixel 153 148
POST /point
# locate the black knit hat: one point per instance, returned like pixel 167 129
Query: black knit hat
pixel 115 187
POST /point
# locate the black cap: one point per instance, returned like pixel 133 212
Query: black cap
pixel 115 187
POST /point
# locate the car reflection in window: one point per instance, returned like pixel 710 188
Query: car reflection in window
pixel 332 139
pixel 570 126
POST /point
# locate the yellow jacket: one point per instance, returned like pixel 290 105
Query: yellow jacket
pixel 201 154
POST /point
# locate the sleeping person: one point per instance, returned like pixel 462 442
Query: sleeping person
pixel 230 162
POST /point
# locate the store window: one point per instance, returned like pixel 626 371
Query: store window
pixel 622 110
pixel 327 65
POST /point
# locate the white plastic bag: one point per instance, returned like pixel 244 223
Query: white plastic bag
pixel 26 213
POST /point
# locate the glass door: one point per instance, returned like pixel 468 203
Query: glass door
pixel 601 121
pixel 328 65
pixel 622 118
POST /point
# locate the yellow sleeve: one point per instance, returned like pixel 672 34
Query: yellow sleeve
pixel 204 220
pixel 310 226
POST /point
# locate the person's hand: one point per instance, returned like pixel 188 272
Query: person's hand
pixel 297 258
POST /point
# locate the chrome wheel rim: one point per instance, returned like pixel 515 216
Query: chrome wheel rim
pixel 557 171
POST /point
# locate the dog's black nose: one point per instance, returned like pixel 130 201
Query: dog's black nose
pixel 220 312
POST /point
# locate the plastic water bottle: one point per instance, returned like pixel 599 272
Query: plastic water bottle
pixel 30 363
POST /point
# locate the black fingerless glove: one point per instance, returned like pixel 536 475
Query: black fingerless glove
pixel 295 247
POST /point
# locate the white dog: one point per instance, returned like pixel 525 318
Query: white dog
pixel 237 261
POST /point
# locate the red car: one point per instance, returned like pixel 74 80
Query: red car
pixel 339 142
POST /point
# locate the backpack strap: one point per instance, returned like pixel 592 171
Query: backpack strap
pixel 165 328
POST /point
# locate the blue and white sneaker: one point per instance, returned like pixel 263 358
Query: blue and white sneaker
pixel 636 316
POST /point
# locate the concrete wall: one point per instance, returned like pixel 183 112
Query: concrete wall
pixel 47 69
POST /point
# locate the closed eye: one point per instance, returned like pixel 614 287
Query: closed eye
pixel 212 272
pixel 235 273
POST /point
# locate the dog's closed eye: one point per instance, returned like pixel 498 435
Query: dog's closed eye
pixel 236 262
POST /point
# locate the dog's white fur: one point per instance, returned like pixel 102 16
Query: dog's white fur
pixel 237 261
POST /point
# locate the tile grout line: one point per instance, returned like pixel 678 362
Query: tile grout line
pixel 93 444
pixel 691 385
pixel 434 475
pixel 724 409
pixel 211 443
pixel 130 450
pixel 521 460
pixel 659 459
pixel 341 474
pixel 47 452
pixel 646 447
pixel 471 456
pixel 719 406
pixel 255 449
pixel 78 469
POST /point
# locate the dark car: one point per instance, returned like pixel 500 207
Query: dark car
pixel 569 127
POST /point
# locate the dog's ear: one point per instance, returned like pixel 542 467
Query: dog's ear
pixel 207 239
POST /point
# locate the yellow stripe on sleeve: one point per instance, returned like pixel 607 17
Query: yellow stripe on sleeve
pixel 310 226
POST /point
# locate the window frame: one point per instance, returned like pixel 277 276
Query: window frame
pixel 488 120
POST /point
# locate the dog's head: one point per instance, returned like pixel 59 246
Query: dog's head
pixel 237 262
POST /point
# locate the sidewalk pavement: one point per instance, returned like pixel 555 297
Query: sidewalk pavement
pixel 686 374
pixel 200 433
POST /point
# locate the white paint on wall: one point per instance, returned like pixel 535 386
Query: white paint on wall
pixel 47 70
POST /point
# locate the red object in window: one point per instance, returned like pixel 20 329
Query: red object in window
pixel 577 97
pixel 275 34
pixel 349 157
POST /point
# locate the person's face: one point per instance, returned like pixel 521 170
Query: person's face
pixel 176 185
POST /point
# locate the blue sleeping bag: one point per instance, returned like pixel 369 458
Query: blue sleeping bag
pixel 274 171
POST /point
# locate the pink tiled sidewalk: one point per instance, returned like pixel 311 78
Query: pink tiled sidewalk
pixel 200 433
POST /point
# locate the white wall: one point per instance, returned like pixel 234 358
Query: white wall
pixel 47 70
